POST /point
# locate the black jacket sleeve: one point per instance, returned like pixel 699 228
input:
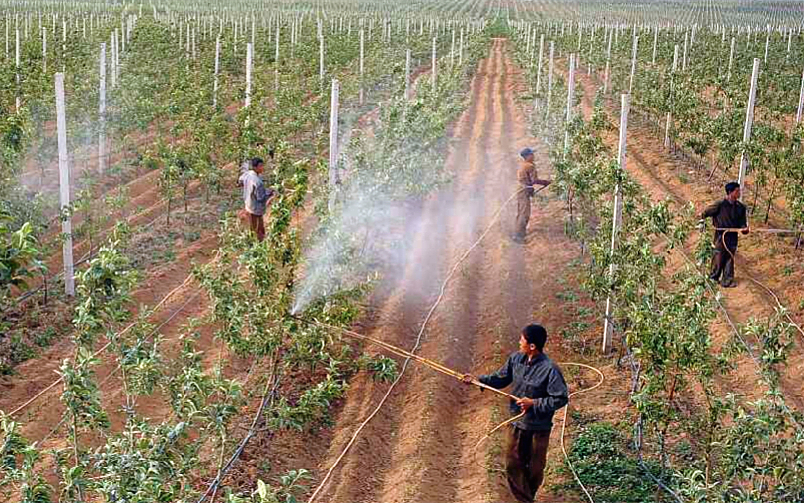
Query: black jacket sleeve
pixel 712 210
pixel 501 378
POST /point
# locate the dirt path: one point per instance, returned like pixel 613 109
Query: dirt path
pixel 420 447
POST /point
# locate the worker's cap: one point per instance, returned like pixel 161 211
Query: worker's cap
pixel 731 187
pixel 526 152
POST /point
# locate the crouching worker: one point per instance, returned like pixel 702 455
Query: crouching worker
pixel 542 390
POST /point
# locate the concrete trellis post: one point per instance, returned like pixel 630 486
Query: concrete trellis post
pixel 452 51
pixel 102 112
pixel 800 100
pixel 17 72
pixel 670 112
pixel 550 77
pixel 731 59
pixel 608 327
pixel 655 44
pixel 249 62
pixel 684 59
pixel 334 175
pixel 407 74
pixel 460 50
pixel 434 68
pixel 217 69
pixel 362 54
pixel 276 59
pixel 321 57
pixel 749 119
pixel 539 66
pixel 44 51
pixel 570 95
pixel 633 65
pixel 64 188
pixel 608 64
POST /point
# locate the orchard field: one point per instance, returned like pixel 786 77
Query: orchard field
pixel 153 350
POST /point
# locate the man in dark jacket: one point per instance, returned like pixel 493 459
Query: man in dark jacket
pixel 729 213
pixel 542 391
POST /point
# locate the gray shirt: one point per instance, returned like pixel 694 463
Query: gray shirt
pixel 539 379
pixel 255 195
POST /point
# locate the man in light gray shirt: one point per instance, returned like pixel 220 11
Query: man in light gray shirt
pixel 255 196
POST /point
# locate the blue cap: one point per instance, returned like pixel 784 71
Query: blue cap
pixel 526 152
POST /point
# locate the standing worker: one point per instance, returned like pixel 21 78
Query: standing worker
pixel 527 177
pixel 729 213
pixel 255 196
pixel 542 391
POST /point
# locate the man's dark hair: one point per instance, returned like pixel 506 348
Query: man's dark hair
pixel 536 335
pixel 256 162
pixel 731 187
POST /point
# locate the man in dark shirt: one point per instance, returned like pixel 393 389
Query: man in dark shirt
pixel 729 213
pixel 542 390
pixel 527 178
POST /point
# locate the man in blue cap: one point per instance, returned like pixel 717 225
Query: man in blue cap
pixel 527 178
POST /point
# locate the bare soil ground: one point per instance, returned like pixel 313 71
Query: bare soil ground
pixel 420 447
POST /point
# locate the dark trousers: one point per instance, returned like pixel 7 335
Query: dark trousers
pixel 525 462
pixel 257 225
pixel 522 214
pixel 723 264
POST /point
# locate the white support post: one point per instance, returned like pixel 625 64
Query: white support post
pixel 217 69
pixel 334 175
pixel 102 112
pixel 321 57
pixel 800 100
pixel 539 66
pixel 608 65
pixel 767 43
pixel 550 78
pixel 608 326
pixel 407 74
pixel 655 43
pixel 434 67
pixel 731 59
pixel 276 58
pixel 17 72
pixel 460 51
pixel 44 51
pixel 249 62
pixel 570 95
pixel 749 119
pixel 672 92
pixel 362 55
pixel 633 65
pixel 64 188
pixel 452 51
pixel 684 59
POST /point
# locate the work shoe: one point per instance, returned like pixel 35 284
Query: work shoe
pixel 728 284
pixel 517 239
